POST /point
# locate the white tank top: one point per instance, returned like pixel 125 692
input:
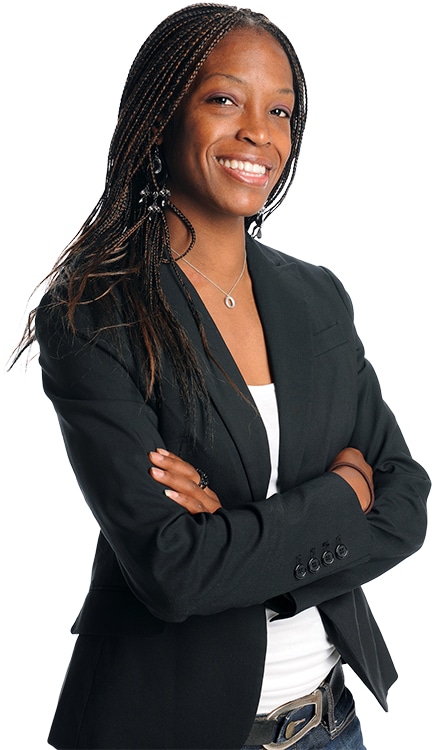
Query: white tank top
pixel 299 654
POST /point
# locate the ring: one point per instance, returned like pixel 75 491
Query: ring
pixel 203 482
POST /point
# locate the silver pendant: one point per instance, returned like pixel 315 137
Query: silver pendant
pixel 230 301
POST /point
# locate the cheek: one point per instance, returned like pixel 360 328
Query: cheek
pixel 184 148
pixel 284 152
pixel 287 145
pixel 286 148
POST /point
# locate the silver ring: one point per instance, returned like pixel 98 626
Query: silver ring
pixel 203 482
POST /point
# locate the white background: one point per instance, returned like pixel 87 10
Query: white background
pixel 360 204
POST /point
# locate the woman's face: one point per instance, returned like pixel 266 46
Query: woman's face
pixel 228 143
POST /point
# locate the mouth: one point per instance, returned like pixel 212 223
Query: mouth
pixel 239 165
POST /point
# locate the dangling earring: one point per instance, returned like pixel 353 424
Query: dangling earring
pixel 160 194
pixel 257 231
pixel 157 162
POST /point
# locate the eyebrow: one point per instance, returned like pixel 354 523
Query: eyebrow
pixel 239 80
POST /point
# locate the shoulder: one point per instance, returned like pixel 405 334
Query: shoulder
pixel 318 282
pixel 94 321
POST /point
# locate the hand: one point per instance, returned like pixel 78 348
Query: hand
pixel 351 465
pixel 182 481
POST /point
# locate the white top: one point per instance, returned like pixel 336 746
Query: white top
pixel 299 654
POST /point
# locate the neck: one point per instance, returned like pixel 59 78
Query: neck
pixel 220 244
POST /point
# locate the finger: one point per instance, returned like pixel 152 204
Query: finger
pixel 183 481
pixel 186 493
pixel 176 481
pixel 175 465
pixel 212 495
pixel 203 504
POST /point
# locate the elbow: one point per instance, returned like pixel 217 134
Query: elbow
pixel 400 513
pixel 418 516
pixel 168 600
pixel 171 611
pixel 412 532
pixel 420 532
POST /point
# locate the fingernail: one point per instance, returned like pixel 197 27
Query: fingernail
pixel 157 472
pixel 162 451
pixel 172 494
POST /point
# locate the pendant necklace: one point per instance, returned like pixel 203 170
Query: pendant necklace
pixel 229 299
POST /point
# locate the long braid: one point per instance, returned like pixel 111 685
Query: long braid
pixel 122 244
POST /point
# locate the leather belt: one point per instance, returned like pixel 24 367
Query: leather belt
pixel 265 728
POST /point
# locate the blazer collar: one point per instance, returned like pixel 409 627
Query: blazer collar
pixel 282 307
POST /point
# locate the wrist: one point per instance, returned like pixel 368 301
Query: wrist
pixel 358 481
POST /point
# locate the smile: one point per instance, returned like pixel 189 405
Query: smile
pixel 243 166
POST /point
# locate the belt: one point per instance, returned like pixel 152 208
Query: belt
pixel 264 729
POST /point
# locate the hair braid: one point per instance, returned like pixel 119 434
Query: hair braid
pixel 122 244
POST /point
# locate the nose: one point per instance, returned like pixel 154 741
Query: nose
pixel 254 129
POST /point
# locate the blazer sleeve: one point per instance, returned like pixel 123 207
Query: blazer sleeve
pixel 175 563
pixel 397 522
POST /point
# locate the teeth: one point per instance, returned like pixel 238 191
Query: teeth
pixel 243 166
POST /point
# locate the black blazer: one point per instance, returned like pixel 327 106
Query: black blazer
pixel 173 631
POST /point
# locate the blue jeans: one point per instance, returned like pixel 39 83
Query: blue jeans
pixel 339 730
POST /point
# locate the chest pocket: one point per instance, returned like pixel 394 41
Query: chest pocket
pixel 329 338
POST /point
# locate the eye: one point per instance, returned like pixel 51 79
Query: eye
pixel 224 101
pixel 279 112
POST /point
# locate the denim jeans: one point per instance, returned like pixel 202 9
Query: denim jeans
pixel 339 730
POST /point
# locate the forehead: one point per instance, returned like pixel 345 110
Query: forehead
pixel 250 51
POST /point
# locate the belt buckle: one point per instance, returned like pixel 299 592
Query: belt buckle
pixel 314 699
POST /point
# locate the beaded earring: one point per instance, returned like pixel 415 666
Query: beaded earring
pixel 159 195
pixel 257 230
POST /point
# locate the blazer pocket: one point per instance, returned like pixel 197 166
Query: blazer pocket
pixel 115 611
pixel 329 338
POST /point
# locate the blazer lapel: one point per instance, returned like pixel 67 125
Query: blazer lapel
pixel 239 417
pixel 283 308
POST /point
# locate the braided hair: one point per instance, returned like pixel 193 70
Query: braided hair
pixel 121 246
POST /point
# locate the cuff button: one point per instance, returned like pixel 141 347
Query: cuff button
pixel 300 571
pixel 341 551
pixel 327 557
pixel 314 565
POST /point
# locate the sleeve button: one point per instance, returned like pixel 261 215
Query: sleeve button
pixel 341 551
pixel 300 571
pixel 314 565
pixel 327 557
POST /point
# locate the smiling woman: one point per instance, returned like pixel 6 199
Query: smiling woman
pixel 222 422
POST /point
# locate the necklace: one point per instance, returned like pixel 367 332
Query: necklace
pixel 229 299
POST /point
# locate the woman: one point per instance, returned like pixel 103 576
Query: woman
pixel 224 597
